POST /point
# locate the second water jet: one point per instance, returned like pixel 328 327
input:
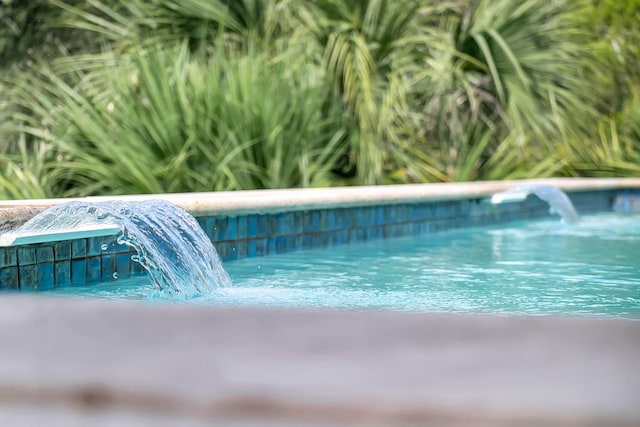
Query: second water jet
pixel 559 202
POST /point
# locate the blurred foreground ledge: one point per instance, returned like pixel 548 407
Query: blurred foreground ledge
pixel 68 362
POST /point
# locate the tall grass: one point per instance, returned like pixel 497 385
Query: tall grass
pixel 168 120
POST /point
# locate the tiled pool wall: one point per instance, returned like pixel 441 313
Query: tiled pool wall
pixel 87 261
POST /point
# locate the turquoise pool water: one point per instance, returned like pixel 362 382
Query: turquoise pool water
pixel 541 267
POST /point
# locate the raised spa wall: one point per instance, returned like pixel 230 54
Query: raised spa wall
pixel 255 223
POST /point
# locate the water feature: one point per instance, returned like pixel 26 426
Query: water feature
pixel 559 202
pixel 168 241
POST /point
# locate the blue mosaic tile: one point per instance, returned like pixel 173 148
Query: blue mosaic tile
pixel 123 265
pixel 219 229
pixel 323 239
pixel 336 219
pixel 290 244
pixel 26 255
pixel 419 228
pixel 373 233
pixel 271 225
pixel 288 224
pixel 252 225
pixel 79 248
pixel 28 276
pixel 137 268
pixel 223 249
pixel 78 272
pixel 322 219
pixel 260 246
pixel 298 222
pixel 94 246
pixel 339 237
pixel 281 244
pixel 9 279
pixel 402 212
pixel 262 226
pixel 271 245
pixel 350 219
pixel 241 227
pixel 251 248
pixel 202 222
pixel 44 254
pixel 226 250
pixel 232 250
pixel 8 257
pixel 107 268
pixel 415 212
pixel 63 273
pixel 376 215
pixel 379 212
pixel 310 221
pixel 440 211
pixel 394 230
pixel 62 250
pixel 307 222
pixel 208 226
pixel 109 245
pixel 433 210
pixel 94 270
pixel 389 214
pixel 362 219
pixel 357 234
pixel 315 220
pixel 46 278
pixel 334 238
pixel 331 219
pixel 232 228
pixel 123 248
pixel 241 248
pixel 307 241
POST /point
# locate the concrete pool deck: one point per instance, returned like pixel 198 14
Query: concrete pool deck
pixel 66 362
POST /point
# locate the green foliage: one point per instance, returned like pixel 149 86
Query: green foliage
pixel 143 96
pixel 498 84
pixel 615 151
pixel 615 30
pixel 365 48
pixel 24 174
pixel 169 122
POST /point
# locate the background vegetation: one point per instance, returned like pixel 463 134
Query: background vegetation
pixel 138 96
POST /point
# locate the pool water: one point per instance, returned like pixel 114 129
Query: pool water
pixel 540 267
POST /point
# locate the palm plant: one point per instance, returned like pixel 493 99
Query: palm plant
pixel 365 47
pixel 613 150
pixel 503 73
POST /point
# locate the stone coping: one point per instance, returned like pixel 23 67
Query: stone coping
pixel 15 212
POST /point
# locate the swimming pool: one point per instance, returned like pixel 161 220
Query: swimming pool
pixel 535 267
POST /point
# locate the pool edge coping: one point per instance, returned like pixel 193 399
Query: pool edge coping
pixel 281 200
